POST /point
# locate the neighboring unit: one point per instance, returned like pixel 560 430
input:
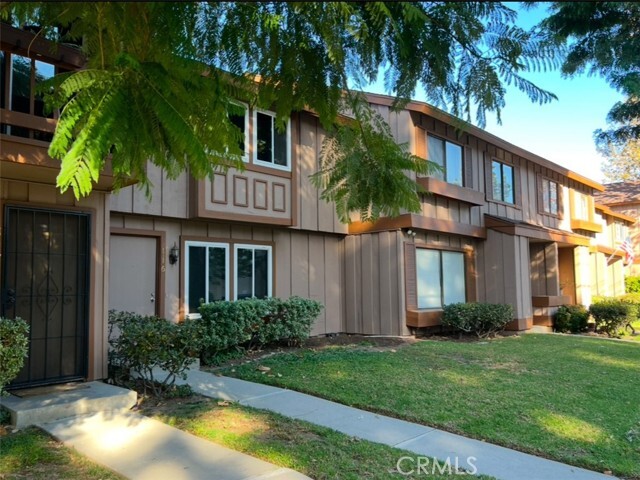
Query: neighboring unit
pixel 500 225
pixel 624 198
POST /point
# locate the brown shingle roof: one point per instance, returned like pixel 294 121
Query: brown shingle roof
pixel 619 192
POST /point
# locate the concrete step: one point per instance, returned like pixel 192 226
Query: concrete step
pixel 84 398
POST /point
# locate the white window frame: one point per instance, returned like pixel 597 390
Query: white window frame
pixel 254 144
pixel 193 243
pixel 238 103
pixel 582 208
pixel 253 247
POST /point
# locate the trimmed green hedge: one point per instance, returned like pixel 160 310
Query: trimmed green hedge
pixel 482 319
pixel 612 314
pixel 246 324
pixel 571 318
pixel 14 348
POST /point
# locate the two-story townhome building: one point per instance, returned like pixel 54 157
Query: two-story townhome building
pixel 624 198
pixel 499 224
pixel 607 269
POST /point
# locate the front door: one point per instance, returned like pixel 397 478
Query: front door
pixel 567 273
pixel 132 274
pixel 45 281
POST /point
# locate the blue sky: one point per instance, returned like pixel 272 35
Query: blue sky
pixel 561 131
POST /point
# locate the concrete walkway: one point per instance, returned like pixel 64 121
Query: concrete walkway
pixel 499 462
pixel 140 448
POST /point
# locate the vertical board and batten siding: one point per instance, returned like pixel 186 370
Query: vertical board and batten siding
pixel 306 264
pixel 607 280
pixel 315 214
pixel 478 155
pixel 582 263
pixel 47 196
pixel 544 269
pixel 374 284
pixel 169 198
pixel 503 264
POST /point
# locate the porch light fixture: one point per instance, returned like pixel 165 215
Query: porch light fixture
pixel 174 254
pixel 411 233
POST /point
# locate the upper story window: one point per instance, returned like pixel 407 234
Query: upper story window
pixel 239 117
pixel 502 180
pixel 448 156
pixel 440 277
pixel 271 147
pixel 619 232
pixel 549 196
pixel 23 75
pixel 583 209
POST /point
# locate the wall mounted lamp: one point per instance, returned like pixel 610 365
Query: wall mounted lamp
pixel 411 233
pixel 174 254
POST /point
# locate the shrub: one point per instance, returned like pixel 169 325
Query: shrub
pixel 255 322
pixel 571 318
pixel 14 348
pixel 612 314
pixel 483 319
pixel 632 298
pixel 632 284
pixel 139 344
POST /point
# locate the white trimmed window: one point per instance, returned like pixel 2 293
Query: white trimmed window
pixel 206 274
pixel 239 116
pixel 252 267
pixel 582 207
pixel 271 147
pixel 440 278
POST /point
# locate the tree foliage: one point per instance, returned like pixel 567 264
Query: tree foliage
pixel 161 77
pixel 623 161
pixel 604 38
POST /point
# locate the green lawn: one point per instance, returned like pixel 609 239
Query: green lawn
pixel 569 398
pixel 33 454
pixel 318 452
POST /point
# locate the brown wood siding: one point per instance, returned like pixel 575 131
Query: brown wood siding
pixel 257 195
pixel 306 264
pixel 168 197
pixel 503 264
pixel 374 284
pixel 478 154
pixel 46 196
pixel 313 213
pixel 544 265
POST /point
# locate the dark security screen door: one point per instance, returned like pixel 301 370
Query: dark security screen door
pixel 45 281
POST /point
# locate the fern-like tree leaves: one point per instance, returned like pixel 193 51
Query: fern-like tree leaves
pixel 161 78
pixel 365 171
pixel 136 114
